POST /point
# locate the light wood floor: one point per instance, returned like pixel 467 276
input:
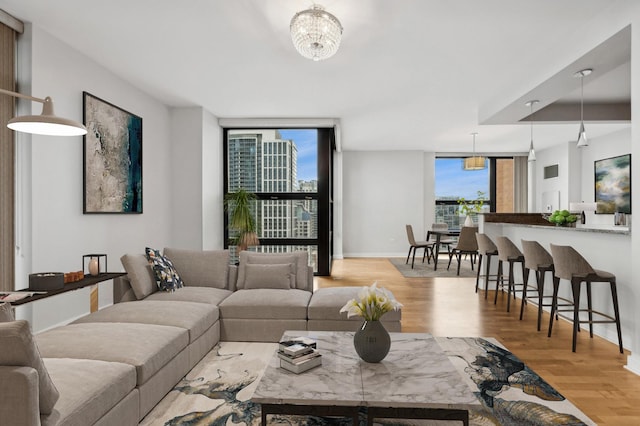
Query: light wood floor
pixel 594 378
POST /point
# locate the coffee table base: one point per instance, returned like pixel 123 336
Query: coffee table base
pixel 451 414
pixel 310 410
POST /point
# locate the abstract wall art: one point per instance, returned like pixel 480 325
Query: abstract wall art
pixel 112 158
pixel 613 184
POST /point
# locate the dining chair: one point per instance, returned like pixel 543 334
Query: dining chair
pixel 414 245
pixel 571 266
pixel 441 227
pixel 467 244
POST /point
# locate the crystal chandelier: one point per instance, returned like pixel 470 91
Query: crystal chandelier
pixel 315 33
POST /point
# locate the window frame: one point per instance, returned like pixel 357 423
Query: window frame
pixel 323 241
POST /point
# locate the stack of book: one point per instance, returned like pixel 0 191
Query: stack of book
pixel 299 354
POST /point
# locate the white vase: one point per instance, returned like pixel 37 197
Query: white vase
pixel 468 221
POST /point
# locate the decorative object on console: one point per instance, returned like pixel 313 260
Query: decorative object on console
pixel 46 123
pixel 613 184
pixel 372 341
pixel 167 277
pixel 315 33
pixel 112 158
pixel 475 162
pixel 94 267
pixel 45 281
pixel 582 135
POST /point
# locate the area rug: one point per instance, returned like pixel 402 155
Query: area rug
pixel 425 270
pixel 218 390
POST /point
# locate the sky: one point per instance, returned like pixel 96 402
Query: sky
pixel 453 181
pixel 306 141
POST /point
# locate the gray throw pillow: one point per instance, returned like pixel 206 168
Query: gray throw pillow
pixel 19 349
pixel 140 273
pixel 299 259
pixel 6 314
pixel 276 276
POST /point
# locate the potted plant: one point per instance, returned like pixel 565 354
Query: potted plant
pixel 241 218
pixel 467 207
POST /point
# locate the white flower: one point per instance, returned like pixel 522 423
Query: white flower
pixel 372 303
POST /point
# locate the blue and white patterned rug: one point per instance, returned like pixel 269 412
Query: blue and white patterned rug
pixel 217 391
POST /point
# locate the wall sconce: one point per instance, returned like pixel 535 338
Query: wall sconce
pixel 46 123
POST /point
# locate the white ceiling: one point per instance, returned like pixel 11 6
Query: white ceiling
pixel 409 75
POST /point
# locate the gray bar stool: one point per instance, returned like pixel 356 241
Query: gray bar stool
pixel 486 248
pixel 508 252
pixel 536 259
pixel 570 265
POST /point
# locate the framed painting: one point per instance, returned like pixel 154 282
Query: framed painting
pixel 112 158
pixel 613 184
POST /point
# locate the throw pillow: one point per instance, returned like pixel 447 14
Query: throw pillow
pixel 19 349
pixel 140 274
pixel 167 277
pixel 299 259
pixel 6 314
pixel 277 276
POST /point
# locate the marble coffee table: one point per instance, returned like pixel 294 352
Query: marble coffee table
pixel 415 380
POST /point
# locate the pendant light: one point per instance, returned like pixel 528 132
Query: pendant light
pixel 532 152
pixel 582 135
pixel 474 162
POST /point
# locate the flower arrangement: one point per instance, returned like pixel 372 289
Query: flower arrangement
pixel 469 206
pixel 372 303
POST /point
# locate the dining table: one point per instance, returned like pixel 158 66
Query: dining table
pixel 439 233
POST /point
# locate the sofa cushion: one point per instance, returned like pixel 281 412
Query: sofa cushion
pixel 194 317
pixel 140 273
pixel 88 389
pixel 300 260
pixel 145 346
pixel 6 314
pixel 266 303
pixel 167 278
pixel 201 268
pixel 278 276
pixel 20 349
pixel 211 296
pixel 326 303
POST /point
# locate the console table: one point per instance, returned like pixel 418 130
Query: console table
pixel 87 281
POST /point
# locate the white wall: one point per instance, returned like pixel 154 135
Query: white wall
pixel 61 233
pixel 382 191
pixel 186 191
pixel 212 183
pixel 615 144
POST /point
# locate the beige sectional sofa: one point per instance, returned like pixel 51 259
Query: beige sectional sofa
pixel 113 366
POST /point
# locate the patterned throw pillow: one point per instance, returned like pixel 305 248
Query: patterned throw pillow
pixel 167 277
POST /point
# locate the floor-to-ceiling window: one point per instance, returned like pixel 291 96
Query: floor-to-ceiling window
pixel 494 184
pixel 289 171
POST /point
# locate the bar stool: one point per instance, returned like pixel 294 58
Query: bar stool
pixel 508 252
pixel 536 259
pixel 486 248
pixel 570 265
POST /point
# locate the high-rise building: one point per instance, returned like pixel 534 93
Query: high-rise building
pixel 261 161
